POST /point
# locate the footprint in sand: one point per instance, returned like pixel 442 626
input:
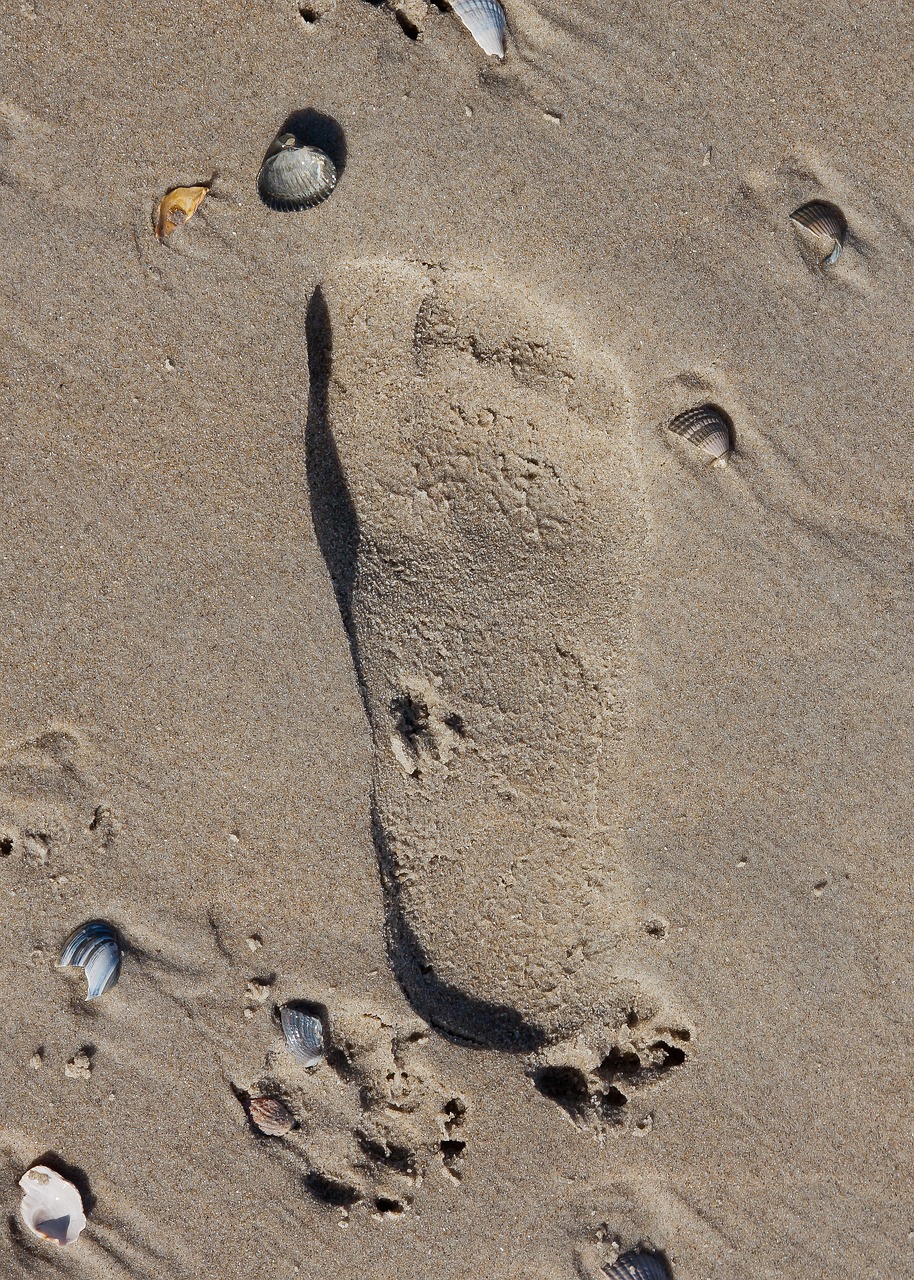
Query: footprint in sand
pixel 475 497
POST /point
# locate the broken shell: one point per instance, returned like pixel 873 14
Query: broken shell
pixel 294 176
pixel 303 1027
pixel 826 221
pixel 707 428
pixel 95 948
pixel 636 1265
pixel 270 1116
pixel 485 21
pixel 177 207
pixel 51 1207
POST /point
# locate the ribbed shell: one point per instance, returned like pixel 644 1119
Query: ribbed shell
pixel 485 21
pixel 51 1207
pixel 270 1116
pixel 295 177
pixel 825 220
pixel 303 1026
pixel 707 428
pixel 636 1265
pixel 96 949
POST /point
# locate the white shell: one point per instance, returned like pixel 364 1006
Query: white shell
pixel 303 1027
pixel 485 21
pixel 636 1265
pixel 51 1206
pixel 95 948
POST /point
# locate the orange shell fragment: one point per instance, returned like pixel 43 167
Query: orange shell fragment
pixel 176 207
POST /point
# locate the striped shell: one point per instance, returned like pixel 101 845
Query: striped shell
pixel 485 21
pixel 270 1116
pixel 636 1265
pixel 294 176
pixel 826 221
pixel 96 949
pixel 303 1026
pixel 51 1207
pixel 708 429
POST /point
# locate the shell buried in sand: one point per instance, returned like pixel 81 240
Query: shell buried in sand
pixel 294 176
pixel 95 948
pixel 303 1026
pixel 636 1265
pixel 270 1116
pixel 485 21
pixel 826 221
pixel 51 1206
pixel 708 429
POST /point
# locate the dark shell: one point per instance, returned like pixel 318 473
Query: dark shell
pixel 303 1026
pixel 825 220
pixel 707 428
pixel 96 949
pixel 636 1265
pixel 295 176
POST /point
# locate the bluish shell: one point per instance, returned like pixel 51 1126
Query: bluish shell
pixel 636 1265
pixel 295 177
pixel 485 21
pixel 303 1026
pixel 96 949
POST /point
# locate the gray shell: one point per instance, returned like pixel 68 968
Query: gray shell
pixel 95 948
pixel 293 176
pixel 485 21
pixel 303 1026
pixel 825 220
pixel 636 1265
pixel 707 428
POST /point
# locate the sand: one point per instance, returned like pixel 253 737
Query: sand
pixel 368 639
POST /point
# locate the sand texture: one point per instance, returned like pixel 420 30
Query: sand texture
pixel 368 640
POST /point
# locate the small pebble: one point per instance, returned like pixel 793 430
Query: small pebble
pixel 78 1068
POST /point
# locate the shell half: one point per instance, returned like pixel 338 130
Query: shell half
pixel 637 1265
pixel 51 1206
pixel 485 21
pixel 294 176
pixel 270 1116
pixel 96 949
pixel 303 1026
pixel 826 221
pixel 708 429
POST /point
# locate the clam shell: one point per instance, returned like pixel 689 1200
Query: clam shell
pixel 708 429
pixel 270 1116
pixel 636 1265
pixel 485 21
pixel 825 220
pixel 303 1026
pixel 51 1206
pixel 95 948
pixel 295 176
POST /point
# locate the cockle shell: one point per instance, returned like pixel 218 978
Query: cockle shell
pixel 707 428
pixel 95 948
pixel 485 21
pixel 294 176
pixel 51 1206
pixel 270 1116
pixel 636 1265
pixel 303 1026
pixel 826 221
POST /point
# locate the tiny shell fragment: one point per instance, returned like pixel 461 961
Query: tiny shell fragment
pixel 270 1116
pixel 177 207
pixel 51 1207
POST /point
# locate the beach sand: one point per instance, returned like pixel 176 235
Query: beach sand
pixel 368 639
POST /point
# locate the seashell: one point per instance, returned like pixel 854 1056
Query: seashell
pixel 826 221
pixel 303 1027
pixel 51 1206
pixel 270 1116
pixel 294 176
pixel 177 207
pixel 485 21
pixel 708 428
pixel 95 948
pixel 637 1265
